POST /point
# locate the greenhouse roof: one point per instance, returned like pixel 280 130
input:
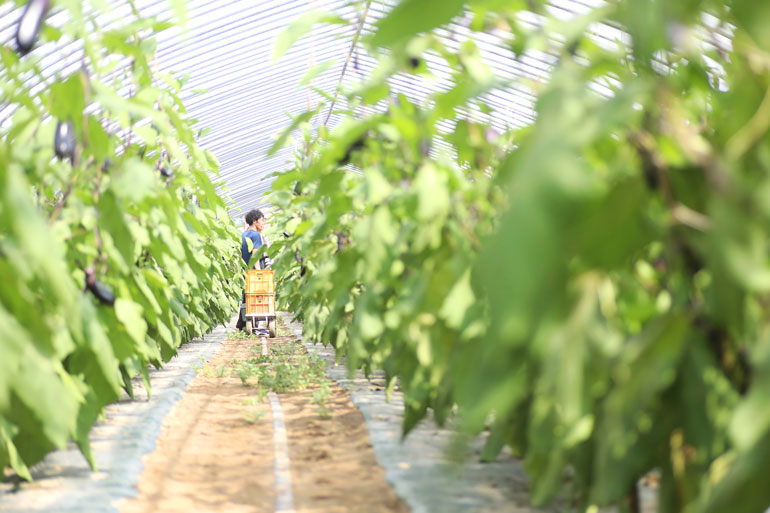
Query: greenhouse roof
pixel 227 50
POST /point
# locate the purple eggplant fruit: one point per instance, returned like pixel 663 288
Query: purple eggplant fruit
pixel 65 140
pixel 30 23
pixel 101 291
pixel 357 145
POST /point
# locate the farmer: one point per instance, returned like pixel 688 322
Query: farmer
pixel 255 223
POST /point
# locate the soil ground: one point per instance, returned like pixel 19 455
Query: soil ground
pixel 215 452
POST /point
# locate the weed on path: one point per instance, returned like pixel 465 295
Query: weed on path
pixel 287 367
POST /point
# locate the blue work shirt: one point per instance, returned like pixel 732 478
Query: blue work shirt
pixel 255 237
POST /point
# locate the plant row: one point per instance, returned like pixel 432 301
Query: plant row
pixel 591 289
pixel 115 247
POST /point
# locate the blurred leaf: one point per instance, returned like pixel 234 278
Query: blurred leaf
pixel 743 490
pixel 67 100
pixel 411 17
pixel 130 314
pixel 134 181
pixel 458 302
pixel 305 116
pixel 8 453
pixel 301 26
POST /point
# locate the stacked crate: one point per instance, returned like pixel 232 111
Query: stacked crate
pixel 260 293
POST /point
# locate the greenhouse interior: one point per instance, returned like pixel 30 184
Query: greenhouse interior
pixel 355 256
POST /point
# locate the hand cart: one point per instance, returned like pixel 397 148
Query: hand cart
pixel 260 300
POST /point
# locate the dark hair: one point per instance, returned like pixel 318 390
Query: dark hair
pixel 254 215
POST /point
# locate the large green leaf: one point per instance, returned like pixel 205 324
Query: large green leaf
pixel 411 17
pixel 301 26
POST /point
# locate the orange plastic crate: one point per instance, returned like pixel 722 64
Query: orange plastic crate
pixel 260 304
pixel 260 281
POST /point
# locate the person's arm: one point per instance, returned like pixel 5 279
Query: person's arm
pixel 257 240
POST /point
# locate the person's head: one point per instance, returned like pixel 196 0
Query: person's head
pixel 256 220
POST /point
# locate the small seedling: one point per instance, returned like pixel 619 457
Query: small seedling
pixel 321 400
pixel 240 335
pixel 262 394
pixel 214 372
pixel 246 370
pixel 254 417
pixel 261 359
pixel 287 368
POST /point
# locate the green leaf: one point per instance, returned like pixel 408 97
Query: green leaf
pixel 134 180
pixel 113 221
pixel 51 33
pixel 67 100
pixel 100 144
pixel 411 17
pixel 316 70
pixel 301 26
pixel 457 303
pixel 8 453
pixel 433 194
pixel 743 490
pixel 180 11
pixel 370 324
pixel 173 147
pixel 131 315
pixel 296 121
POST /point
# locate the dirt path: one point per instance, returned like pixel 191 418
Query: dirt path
pixel 215 452
pixel 333 463
pixel 208 457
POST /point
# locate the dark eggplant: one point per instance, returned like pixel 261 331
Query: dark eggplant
pixel 357 145
pixel 29 24
pixel 301 262
pixel 64 141
pixel 101 291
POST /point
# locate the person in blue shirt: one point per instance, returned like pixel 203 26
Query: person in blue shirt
pixel 255 220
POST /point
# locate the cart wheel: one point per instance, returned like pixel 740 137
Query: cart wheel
pixel 271 327
pixel 249 327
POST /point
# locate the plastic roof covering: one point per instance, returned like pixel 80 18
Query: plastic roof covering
pixel 230 53
pixel 227 49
